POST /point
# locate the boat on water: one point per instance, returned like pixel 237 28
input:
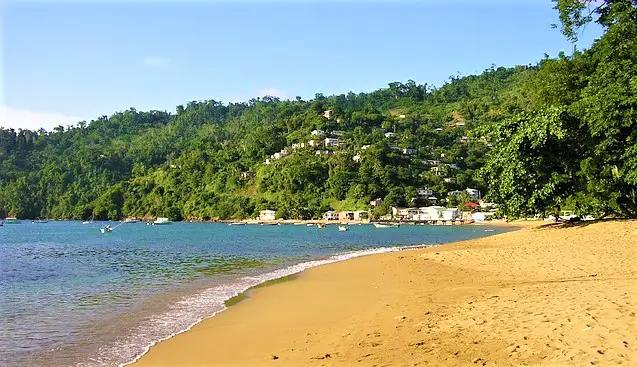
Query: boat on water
pixel 130 220
pixel 343 228
pixel 310 224
pixel 106 229
pixel 380 225
pixel 12 220
pixel 161 221
pixel 237 224
pixel 40 221
pixel 320 225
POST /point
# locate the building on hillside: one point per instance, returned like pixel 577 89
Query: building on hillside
pixel 401 116
pixel 432 199
pixel 407 213
pixel 356 158
pixel 330 215
pixel 389 134
pixel 423 193
pixel 439 170
pixel 431 162
pixel 315 143
pixel 328 114
pixel 455 193
pixel 376 202
pixel 267 214
pixel 361 215
pixel 410 151
pixel 330 142
pixel 323 152
pixel 474 194
pixel 346 215
pixel 364 147
pixel 246 175
pixel 464 139
pixel 337 133
pixel 317 132
pixel 299 145
pixel 449 179
pixel 267 161
pixel 460 123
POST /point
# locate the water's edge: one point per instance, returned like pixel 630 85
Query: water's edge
pixel 256 281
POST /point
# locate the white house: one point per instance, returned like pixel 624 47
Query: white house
pixel 376 202
pixel 410 151
pixel 337 133
pixel 365 147
pixel 407 213
pixel 357 158
pixel 328 114
pixel 473 193
pixel 317 132
pixel 267 161
pixel 330 215
pixel 423 193
pixel 431 212
pixel 315 143
pixel 455 193
pixel 479 217
pixel 298 145
pixel 431 162
pixel 267 214
pixel 323 152
pixel 331 142
pixel 450 214
pixel 389 134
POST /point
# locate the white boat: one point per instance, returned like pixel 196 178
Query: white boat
pixel 380 225
pixel 106 229
pixel 320 225
pixel 161 221
pixel 343 228
pixel 310 224
pixel 130 220
pixel 12 220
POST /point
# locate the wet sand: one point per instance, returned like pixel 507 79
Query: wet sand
pixel 538 296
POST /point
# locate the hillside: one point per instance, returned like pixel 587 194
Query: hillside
pixel 208 159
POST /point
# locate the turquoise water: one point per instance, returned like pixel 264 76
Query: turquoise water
pixel 72 296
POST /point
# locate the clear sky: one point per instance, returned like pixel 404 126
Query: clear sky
pixel 66 61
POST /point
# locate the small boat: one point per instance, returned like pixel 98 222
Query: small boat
pixel 237 224
pixel 161 221
pixel 310 224
pixel 40 221
pixel 106 229
pixel 12 220
pixel 320 225
pixel 488 230
pixel 130 220
pixel 380 225
pixel 343 228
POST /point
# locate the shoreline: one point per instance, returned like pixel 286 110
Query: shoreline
pixel 280 302
pixel 288 273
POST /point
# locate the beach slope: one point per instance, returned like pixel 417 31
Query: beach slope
pixel 539 296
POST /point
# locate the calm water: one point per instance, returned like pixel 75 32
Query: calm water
pixel 71 296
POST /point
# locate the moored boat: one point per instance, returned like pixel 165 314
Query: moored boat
pixel 12 220
pixel 380 225
pixel 343 228
pixel 161 221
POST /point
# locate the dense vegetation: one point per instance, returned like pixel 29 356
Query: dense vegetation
pixel 561 133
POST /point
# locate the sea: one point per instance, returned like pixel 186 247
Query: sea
pixel 72 296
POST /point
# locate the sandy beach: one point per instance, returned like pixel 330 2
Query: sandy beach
pixel 539 296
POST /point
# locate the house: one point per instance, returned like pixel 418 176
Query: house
pixel 423 193
pixel 464 139
pixel 337 133
pixel 323 152
pixel 473 193
pixel 357 158
pixel 449 179
pixel 439 170
pixel 331 142
pixel 429 213
pixel 346 215
pixel 364 147
pixel 394 211
pixel 479 216
pixel 394 147
pixel 389 134
pixel 315 143
pixel 431 162
pixel 460 123
pixel 450 214
pixel 455 193
pixel 486 205
pixel 432 199
pixel 298 145
pixel 267 161
pixel 267 214
pixel 376 202
pixel 410 151
pixel 361 215
pixel 407 213
pixel 246 175
pixel 328 114
pixel 401 116
pixel 439 129
pixel 452 166
pixel 330 215
pixel 317 132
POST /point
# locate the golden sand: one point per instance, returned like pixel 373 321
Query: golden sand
pixel 539 296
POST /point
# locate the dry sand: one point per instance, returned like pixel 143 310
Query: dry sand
pixel 539 296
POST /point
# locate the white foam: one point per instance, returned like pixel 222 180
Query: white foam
pixel 193 309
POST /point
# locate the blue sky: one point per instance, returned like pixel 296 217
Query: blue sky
pixel 65 61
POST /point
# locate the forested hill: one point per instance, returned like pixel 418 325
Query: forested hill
pixel 208 160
